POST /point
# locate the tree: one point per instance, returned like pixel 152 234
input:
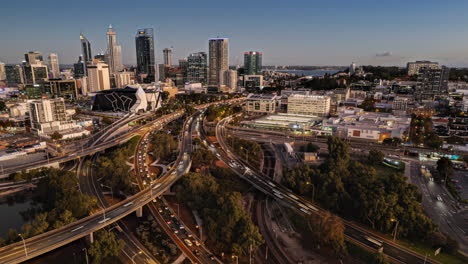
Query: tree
pixel 2 106
pixel 445 169
pixel 56 136
pixel 375 157
pixel 310 147
pixel 433 141
pixel 105 245
pixel 368 104
pixel 328 230
pixel 106 121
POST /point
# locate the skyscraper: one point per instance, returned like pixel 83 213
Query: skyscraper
pixel 183 65
pixel 114 52
pixel 197 68
pixel 230 81
pixel 54 66
pixel 86 51
pixel 79 68
pixel 33 57
pixel 14 74
pixel 98 77
pixel 219 61
pixel 2 72
pixel 432 83
pixel 352 68
pixel 144 42
pixel 167 57
pixel 253 63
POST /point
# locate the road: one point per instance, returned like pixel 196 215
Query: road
pixel 353 232
pixel 40 244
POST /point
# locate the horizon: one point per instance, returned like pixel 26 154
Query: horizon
pixel 299 33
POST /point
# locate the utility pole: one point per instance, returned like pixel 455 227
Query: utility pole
pixel 86 254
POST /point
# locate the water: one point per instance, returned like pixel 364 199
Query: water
pixel 309 73
pixel 11 217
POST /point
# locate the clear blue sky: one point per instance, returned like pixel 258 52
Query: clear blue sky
pixel 294 32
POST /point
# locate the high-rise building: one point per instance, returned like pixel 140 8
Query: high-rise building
pixel 352 68
pixel 14 74
pixel 253 63
pixel 54 66
pixel 230 81
pixel 183 65
pixel 219 61
pixel 86 51
pixel 162 72
pixel 197 68
pixel 35 73
pixel 2 72
pixel 33 57
pixel 98 77
pixel 317 105
pixel 114 52
pixel 144 42
pixel 167 57
pixel 432 83
pixel 79 68
pixel 413 68
pixel 123 79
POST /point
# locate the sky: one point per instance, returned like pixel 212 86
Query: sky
pixel 293 32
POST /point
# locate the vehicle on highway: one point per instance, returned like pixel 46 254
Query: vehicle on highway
pixel 376 243
pixel 196 252
pixel 439 198
pixel 188 242
pixel 197 243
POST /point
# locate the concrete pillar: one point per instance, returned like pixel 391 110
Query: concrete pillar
pixel 139 212
pixel 90 238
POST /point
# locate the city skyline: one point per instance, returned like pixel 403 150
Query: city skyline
pixel 332 33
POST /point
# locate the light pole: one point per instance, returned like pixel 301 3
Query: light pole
pixel 24 245
pixel 133 257
pixel 104 213
pixel 237 258
pixel 396 227
pixel 112 193
pixel 86 254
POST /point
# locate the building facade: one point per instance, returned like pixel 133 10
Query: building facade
pixel 197 68
pixel 432 83
pixel 413 68
pixel 253 63
pixel 122 79
pixel 114 52
pixel 2 72
pixel 54 66
pixel 86 51
pixel 316 105
pixel 219 61
pixel 261 103
pixel 98 77
pixel 230 81
pixel 167 54
pixel 144 42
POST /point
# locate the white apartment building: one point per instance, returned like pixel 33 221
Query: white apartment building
pixel 261 103
pixel 98 77
pixel 317 105
pixel 123 79
pixel 414 67
pixel 230 80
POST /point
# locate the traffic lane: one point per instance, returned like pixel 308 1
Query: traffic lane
pixel 461 185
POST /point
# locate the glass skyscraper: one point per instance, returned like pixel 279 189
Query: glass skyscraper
pixel 253 63
pixel 219 61
pixel 144 42
pixel 197 68
pixel 86 51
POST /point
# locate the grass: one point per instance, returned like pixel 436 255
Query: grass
pixel 385 171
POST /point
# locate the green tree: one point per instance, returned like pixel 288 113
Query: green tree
pixel 105 245
pixel 445 169
pixel 328 230
pixel 368 104
pixel 106 121
pixel 2 106
pixel 56 136
pixel 375 157
pixel 310 147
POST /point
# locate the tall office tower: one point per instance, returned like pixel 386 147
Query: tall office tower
pixel 352 68
pixel 54 66
pixel 253 63
pixel 183 65
pixel 79 68
pixel 167 57
pixel 114 52
pixel 98 77
pixel 432 83
pixel 219 61
pixel 144 42
pixel 162 72
pixel 197 68
pixel 33 57
pixel 14 74
pixel 2 72
pixel 230 81
pixel 86 51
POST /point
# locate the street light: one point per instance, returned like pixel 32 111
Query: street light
pixel 24 245
pixel 396 227
pixel 112 193
pixel 237 258
pixel 133 257
pixel 86 254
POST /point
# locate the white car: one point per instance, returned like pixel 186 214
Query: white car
pixel 439 198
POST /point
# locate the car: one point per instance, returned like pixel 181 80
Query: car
pixel 188 242
pixel 189 235
pixel 196 252
pixel 181 226
pixel 455 181
pixel 168 222
pixel 197 243
pixel 459 187
pixel 439 198
pixel 212 257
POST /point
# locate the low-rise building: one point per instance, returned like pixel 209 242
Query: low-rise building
pixel 316 105
pixel 261 103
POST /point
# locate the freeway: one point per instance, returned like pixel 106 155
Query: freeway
pixel 40 244
pixel 353 232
